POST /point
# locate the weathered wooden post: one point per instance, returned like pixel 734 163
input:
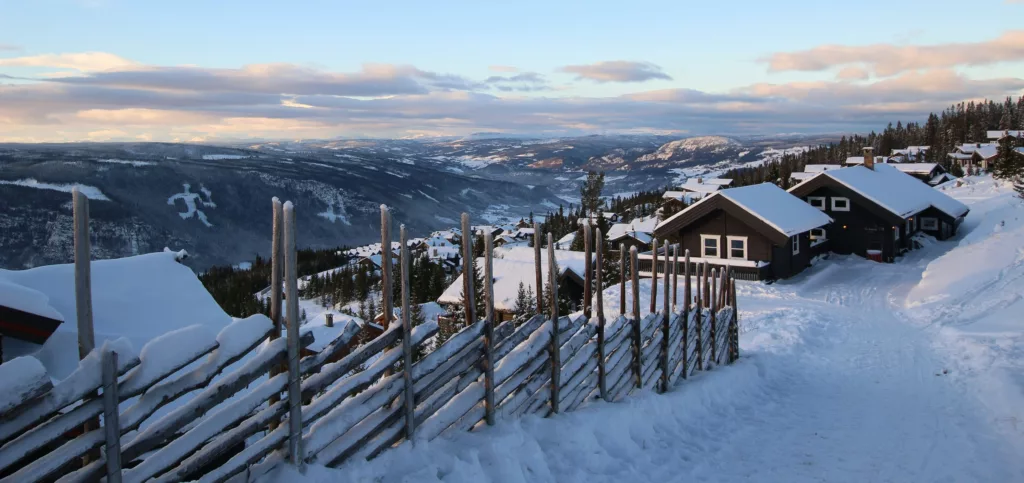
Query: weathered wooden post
pixel 714 313
pixel 686 314
pixel 276 284
pixel 654 276
pixel 588 279
pixel 556 358
pixel 698 320
pixel 489 329
pixel 602 383
pixel 537 268
pixel 468 271
pixel 83 291
pixel 410 393
pixel 666 315
pixel 622 279
pixel 734 325
pixel 638 367
pixel 386 280
pixel 111 417
pixel 675 277
pixel 295 453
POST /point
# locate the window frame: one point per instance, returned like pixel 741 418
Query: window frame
pixel 794 241
pixel 729 248
pixel 823 236
pixel 704 247
pixel 840 198
pixel 929 220
pixel 822 199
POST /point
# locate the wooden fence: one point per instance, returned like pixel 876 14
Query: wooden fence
pixel 274 407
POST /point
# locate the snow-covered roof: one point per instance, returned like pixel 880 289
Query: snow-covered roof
pixel 674 195
pixel 817 168
pixel 26 299
pixel 910 150
pixel 566 241
pixel 1019 150
pixel 1003 133
pixel 509 272
pixel 915 168
pixel 576 261
pixel 854 160
pixel 897 192
pixel 960 155
pixel 780 210
pixel 700 188
pixel 139 298
pixel 985 150
pixel 802 176
pixel 324 335
pixel 640 236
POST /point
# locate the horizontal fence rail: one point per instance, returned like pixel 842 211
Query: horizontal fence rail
pixel 201 406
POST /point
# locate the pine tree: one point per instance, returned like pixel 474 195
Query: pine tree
pixel 416 318
pixel 526 304
pixel 1008 164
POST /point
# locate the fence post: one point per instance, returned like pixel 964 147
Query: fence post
pixel 410 393
pixel 537 269
pixel 666 314
pixel 622 279
pixel 83 291
pixel 489 329
pixel 295 455
pixel 714 314
pixel 637 349
pixel 468 271
pixel 386 282
pixel 602 384
pixel 588 279
pixel 699 319
pixel 654 276
pixel 686 314
pixel 734 323
pixel 675 277
pixel 556 359
pixel 111 420
pixel 276 283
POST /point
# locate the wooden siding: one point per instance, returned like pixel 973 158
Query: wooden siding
pixel 865 227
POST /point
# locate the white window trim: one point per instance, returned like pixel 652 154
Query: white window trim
pixel 823 236
pixel 929 223
pixel 795 242
pixel 718 246
pixel 839 198
pixel 728 246
pixel 896 233
pixel 812 199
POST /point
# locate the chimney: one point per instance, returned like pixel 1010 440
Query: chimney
pixel 869 158
pixel 330 320
pixel 700 180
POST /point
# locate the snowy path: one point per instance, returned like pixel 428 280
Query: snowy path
pixel 842 378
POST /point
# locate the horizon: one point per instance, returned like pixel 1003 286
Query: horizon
pixel 117 71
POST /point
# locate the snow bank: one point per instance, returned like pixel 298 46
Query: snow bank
pixel 138 298
pixel 91 192
pixel 18 377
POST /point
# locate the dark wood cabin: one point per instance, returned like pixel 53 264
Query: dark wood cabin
pixel 759 231
pixel 877 209
pixel 640 240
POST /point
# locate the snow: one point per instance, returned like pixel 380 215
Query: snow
pixel 575 261
pixel 915 168
pixel 25 299
pixel 817 168
pixel 851 371
pixel 137 164
pixel 91 192
pixel 192 203
pixel 218 157
pixel 18 377
pixel 139 298
pixel 1000 134
pixel 985 150
pixel 898 192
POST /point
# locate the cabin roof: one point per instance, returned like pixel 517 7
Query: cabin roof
pixel 777 214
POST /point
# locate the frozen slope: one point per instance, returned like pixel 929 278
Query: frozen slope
pixel 843 377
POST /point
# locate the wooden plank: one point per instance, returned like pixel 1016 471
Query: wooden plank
pixel 588 271
pixel 437 368
pixel 602 370
pixel 633 273
pixel 622 279
pixel 83 285
pixel 409 398
pixel 675 276
pixel 30 391
pixel 330 373
pixel 488 352
pixel 468 293
pixel 654 276
pixel 277 280
pixel 537 268
pixel 292 309
pixel 666 314
pixel 556 362
pixel 111 426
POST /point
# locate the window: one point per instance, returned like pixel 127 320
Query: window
pixel 840 204
pixel 817 202
pixel 795 241
pixel 909 227
pixel 709 246
pixel 929 223
pixel 737 247
pixel 818 234
pixel 895 233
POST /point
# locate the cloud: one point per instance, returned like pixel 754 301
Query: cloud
pixel 82 62
pixel 525 82
pixel 853 72
pixel 502 68
pixel 888 59
pixel 617 71
pixel 10 48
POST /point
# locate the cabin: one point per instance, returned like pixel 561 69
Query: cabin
pixel 910 154
pixel 25 315
pixel 1006 133
pixel 631 238
pixel 932 174
pixel 859 160
pixel 698 188
pixel 566 241
pixel 877 210
pixel 515 265
pixel 759 231
pixel 975 156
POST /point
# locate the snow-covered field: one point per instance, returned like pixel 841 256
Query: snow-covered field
pixel 852 371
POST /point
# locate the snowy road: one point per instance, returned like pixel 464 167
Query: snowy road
pixel 839 381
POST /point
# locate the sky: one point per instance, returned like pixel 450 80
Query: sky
pixel 202 71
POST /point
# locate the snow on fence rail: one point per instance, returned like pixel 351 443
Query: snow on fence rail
pixel 245 397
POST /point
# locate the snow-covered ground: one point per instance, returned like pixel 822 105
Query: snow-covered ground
pixel 852 371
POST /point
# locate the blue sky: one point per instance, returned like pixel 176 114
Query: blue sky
pixel 190 70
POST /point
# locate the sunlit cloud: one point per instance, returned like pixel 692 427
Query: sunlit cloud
pixel 617 71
